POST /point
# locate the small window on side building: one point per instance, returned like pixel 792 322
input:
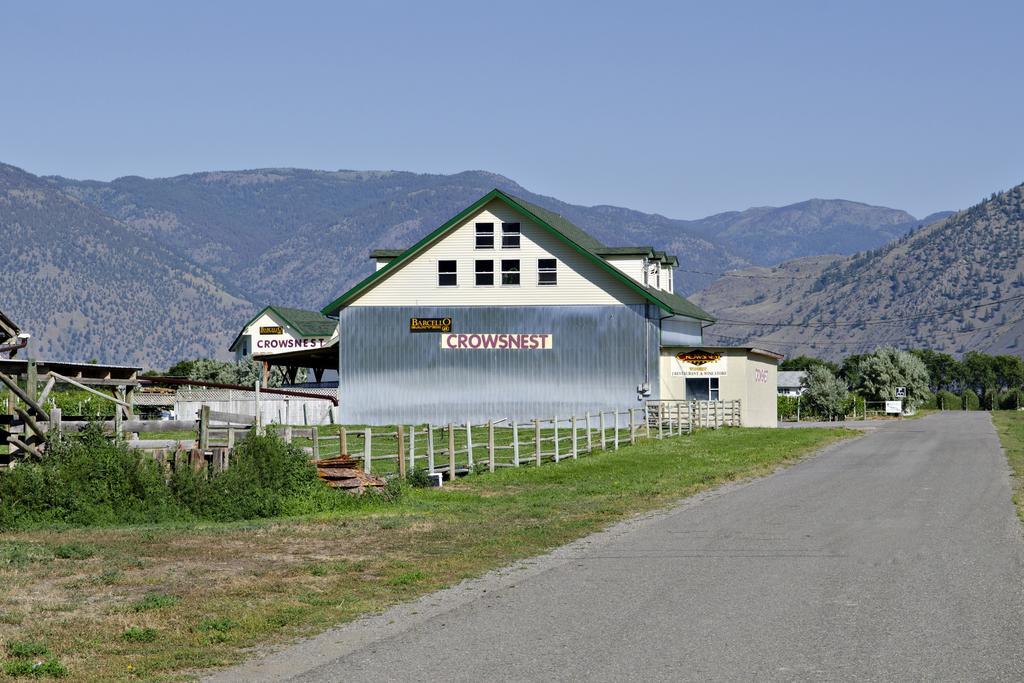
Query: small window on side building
pixel 547 271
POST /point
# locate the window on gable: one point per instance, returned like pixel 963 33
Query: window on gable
pixel 510 271
pixel 485 235
pixel 484 273
pixel 447 274
pixel 547 271
pixel 510 235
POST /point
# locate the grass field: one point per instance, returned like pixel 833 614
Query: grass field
pixel 162 602
pixel 1010 427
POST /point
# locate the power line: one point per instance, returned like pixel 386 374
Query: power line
pixel 747 275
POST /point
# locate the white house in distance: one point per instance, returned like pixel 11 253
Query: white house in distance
pixel 510 310
pixel 791 382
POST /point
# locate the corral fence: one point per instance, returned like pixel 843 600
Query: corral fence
pixel 441 451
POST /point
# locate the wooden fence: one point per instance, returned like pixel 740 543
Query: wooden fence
pixel 448 450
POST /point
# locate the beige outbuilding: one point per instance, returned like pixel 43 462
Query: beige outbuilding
pixel 717 373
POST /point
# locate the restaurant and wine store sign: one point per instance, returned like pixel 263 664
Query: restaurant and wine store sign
pixel 699 363
pixel 430 324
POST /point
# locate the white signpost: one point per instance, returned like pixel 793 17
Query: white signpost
pixel 894 407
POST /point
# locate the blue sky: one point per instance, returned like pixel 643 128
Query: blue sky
pixel 684 109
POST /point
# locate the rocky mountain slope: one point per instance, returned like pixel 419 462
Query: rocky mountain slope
pixel 955 285
pixel 86 286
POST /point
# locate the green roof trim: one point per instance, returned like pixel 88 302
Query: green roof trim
pixel 305 323
pixel 573 236
pixel 386 253
pixel 624 251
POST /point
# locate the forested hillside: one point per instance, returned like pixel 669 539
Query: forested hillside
pixel 86 286
pixel 954 286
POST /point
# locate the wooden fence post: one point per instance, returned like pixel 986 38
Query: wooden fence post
pixel 55 415
pixel 367 450
pixel 632 428
pixel 430 449
pixel 315 433
pixel 451 452
pixel 554 423
pixel 575 448
pixel 590 440
pixel 515 443
pixel 536 440
pixel 204 426
pixel 490 445
pixel 287 433
pixel 400 433
pixel 645 411
pixel 616 429
pixel 412 449
pixel 604 442
pixel 342 441
pixel 469 444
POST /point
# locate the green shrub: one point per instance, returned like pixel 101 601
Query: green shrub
pixel 27 648
pixel 944 400
pixel 786 407
pixel 137 634
pixel 154 601
pixel 73 551
pixel 970 400
pixel 24 667
pixel 1011 400
pixel 86 480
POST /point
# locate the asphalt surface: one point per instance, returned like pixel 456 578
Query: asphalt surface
pixel 896 556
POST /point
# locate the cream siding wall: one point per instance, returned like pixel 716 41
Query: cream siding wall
pixel 750 378
pixel 580 282
pixel 630 265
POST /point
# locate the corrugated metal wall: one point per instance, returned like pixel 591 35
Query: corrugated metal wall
pixel 390 375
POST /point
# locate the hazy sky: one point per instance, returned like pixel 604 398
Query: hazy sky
pixel 684 109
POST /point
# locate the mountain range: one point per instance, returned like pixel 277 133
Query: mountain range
pixel 151 271
pixel 955 285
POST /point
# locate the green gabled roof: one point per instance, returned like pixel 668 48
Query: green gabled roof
pixel 305 323
pixel 386 253
pixel 557 225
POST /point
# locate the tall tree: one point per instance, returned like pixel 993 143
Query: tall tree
pixel 886 369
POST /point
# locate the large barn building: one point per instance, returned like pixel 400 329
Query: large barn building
pixel 509 310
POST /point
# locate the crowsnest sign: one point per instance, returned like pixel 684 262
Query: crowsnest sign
pixel 500 341
pixel 699 363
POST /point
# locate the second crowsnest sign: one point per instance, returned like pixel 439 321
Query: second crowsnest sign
pixel 699 363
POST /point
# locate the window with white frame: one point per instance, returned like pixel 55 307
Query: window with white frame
pixel 484 273
pixel 510 235
pixel 485 235
pixel 702 389
pixel 447 274
pixel 547 271
pixel 509 271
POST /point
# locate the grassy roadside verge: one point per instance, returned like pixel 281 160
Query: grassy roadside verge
pixel 157 602
pixel 1010 428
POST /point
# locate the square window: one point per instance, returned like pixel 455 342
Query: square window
pixel 547 271
pixel 447 274
pixel 484 273
pixel 510 271
pixel 485 235
pixel 510 235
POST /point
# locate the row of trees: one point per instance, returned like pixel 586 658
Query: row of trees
pixel 933 379
pixel 873 377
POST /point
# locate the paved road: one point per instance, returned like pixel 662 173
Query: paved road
pixel 893 557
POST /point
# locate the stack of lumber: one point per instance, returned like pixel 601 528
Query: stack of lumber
pixel 345 472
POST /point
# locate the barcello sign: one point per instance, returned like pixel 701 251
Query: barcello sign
pixel 500 341
pixel 699 363
pixel 430 324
